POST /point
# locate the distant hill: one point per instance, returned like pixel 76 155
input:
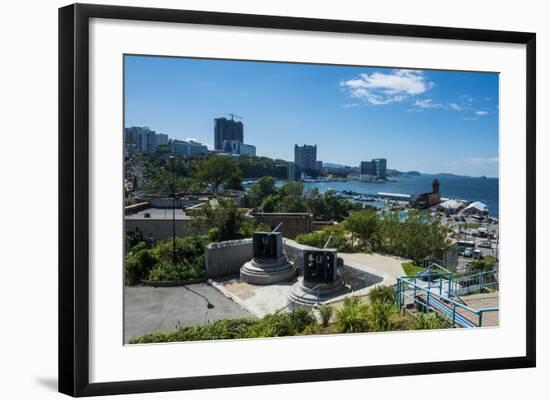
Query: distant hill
pixel 334 165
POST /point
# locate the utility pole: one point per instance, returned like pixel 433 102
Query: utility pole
pixel 173 165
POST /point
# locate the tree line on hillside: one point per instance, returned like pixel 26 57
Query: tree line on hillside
pixel 264 196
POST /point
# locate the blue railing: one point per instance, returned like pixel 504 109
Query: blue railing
pixel 408 291
pixel 474 282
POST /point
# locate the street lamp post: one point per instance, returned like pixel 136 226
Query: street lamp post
pixel 173 164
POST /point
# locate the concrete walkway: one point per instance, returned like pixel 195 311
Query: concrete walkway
pixel 479 301
pixel 391 265
pixel 148 309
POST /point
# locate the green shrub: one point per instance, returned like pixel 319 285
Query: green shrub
pixel 156 264
pixel 382 294
pixel 383 317
pixel 276 325
pixel 326 312
pixel 284 324
pixel 425 321
pixel 164 271
pixel 220 330
pixel 138 264
pixel 318 239
pixel 352 317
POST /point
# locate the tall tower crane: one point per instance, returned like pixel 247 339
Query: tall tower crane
pixel 233 116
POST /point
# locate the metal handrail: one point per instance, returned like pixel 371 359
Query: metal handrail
pixel 453 304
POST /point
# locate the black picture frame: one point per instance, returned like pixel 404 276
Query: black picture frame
pixel 74 201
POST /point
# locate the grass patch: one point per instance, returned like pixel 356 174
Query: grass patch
pixel 411 269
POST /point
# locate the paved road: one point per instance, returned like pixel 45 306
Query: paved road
pixel 148 309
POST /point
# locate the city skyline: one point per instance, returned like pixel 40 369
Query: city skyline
pixel 429 121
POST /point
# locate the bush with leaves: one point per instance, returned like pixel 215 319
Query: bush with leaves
pixel 138 263
pixel 223 222
pixel 383 317
pixel 276 325
pixel 382 294
pixel 326 312
pixel 339 240
pixel 156 264
pixel 353 316
pixel 428 321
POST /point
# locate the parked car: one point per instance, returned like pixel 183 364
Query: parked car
pixel 468 252
pixel 485 244
pixel 477 254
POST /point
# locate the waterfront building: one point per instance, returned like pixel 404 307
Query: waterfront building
pixel 188 148
pixel 227 130
pixel 306 156
pixel 293 171
pixel 451 205
pixel 238 148
pixel 319 165
pixel 373 170
pixel 380 167
pixel 428 199
pixel 476 208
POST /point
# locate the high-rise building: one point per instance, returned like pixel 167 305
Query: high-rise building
pixel 161 139
pixel 144 139
pixel 368 168
pixel 376 169
pixel 380 168
pixel 319 165
pixel 226 130
pixel 306 156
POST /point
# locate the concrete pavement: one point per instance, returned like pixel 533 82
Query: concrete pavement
pixel 148 309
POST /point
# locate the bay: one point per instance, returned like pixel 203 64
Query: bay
pixel 453 187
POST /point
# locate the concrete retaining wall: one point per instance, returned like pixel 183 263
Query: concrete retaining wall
pixel 294 224
pixel 226 258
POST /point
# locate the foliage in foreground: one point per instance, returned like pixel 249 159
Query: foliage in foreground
pixel 382 294
pixel 156 263
pixel 429 321
pixel 276 325
pixel 354 316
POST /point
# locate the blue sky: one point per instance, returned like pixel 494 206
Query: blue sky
pixel 425 120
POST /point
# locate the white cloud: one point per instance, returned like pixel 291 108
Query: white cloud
pixel 381 88
pixel 347 105
pixel 481 113
pixel 429 104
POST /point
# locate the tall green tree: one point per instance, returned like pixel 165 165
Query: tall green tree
pixel 224 221
pixel 364 226
pixel 260 190
pixel 217 171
